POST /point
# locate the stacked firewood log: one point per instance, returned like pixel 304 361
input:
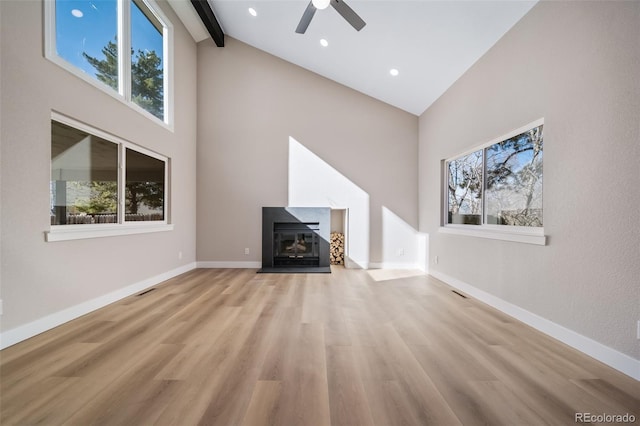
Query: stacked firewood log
pixel 336 248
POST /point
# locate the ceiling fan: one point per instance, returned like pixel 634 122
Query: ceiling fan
pixel 341 7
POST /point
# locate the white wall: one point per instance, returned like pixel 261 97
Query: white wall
pixel 313 182
pixel 42 280
pixel 577 65
pixel 250 104
pixel 337 220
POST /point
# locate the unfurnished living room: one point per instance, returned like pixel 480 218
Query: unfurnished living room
pixel 327 212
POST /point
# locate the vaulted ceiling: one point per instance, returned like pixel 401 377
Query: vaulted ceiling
pixel 430 43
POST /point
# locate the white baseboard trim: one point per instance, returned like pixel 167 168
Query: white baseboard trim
pixel 230 264
pixel 355 264
pixel 614 359
pixel 390 265
pixel 352 264
pixel 24 332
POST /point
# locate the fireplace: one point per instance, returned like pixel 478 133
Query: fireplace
pixel 296 244
pixel 295 239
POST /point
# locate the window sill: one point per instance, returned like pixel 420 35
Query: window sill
pixel 495 234
pixel 110 91
pixel 80 232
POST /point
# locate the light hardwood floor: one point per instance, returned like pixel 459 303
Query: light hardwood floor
pixel 232 347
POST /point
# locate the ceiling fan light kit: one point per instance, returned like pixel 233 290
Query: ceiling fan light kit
pixel 341 7
pixel 321 4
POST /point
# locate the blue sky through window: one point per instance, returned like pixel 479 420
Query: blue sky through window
pixel 86 26
pixel 144 35
pixel 519 150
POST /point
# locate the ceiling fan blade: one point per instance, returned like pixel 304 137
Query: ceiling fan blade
pixel 348 14
pixel 306 18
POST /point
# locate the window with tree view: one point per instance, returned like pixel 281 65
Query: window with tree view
pixel 144 190
pixel 86 36
pixel 500 184
pixel 146 59
pixel 86 179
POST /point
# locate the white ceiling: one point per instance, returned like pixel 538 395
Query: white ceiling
pixel 431 43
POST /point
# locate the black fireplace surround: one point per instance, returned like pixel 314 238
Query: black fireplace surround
pixel 295 239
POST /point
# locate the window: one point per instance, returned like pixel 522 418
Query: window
pixel 465 189
pixel 144 194
pixel 86 31
pixel 84 177
pixel 99 181
pixel 146 59
pixel 513 184
pixel 499 185
pixel 91 38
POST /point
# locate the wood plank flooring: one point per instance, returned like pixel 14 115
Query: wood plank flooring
pixel 232 347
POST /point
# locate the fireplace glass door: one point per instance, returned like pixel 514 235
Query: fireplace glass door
pixel 295 244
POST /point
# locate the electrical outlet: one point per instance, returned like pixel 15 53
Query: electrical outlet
pixel 436 260
pixel 401 252
pixel 1 309
pixel 179 255
pixel 246 250
pixel 637 331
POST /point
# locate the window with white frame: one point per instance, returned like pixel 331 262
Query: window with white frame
pixel 98 179
pixel 498 185
pixel 121 46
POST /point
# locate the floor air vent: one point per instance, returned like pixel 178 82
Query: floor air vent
pixel 146 291
pixel 459 294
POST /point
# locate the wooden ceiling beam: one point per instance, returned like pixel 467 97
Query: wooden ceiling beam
pixel 209 20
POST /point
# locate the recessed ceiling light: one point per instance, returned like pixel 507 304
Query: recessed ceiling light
pixel 324 42
pixel 77 13
pixel 253 12
pixel 394 72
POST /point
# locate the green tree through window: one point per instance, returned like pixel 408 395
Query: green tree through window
pixel 146 76
pixel 107 68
